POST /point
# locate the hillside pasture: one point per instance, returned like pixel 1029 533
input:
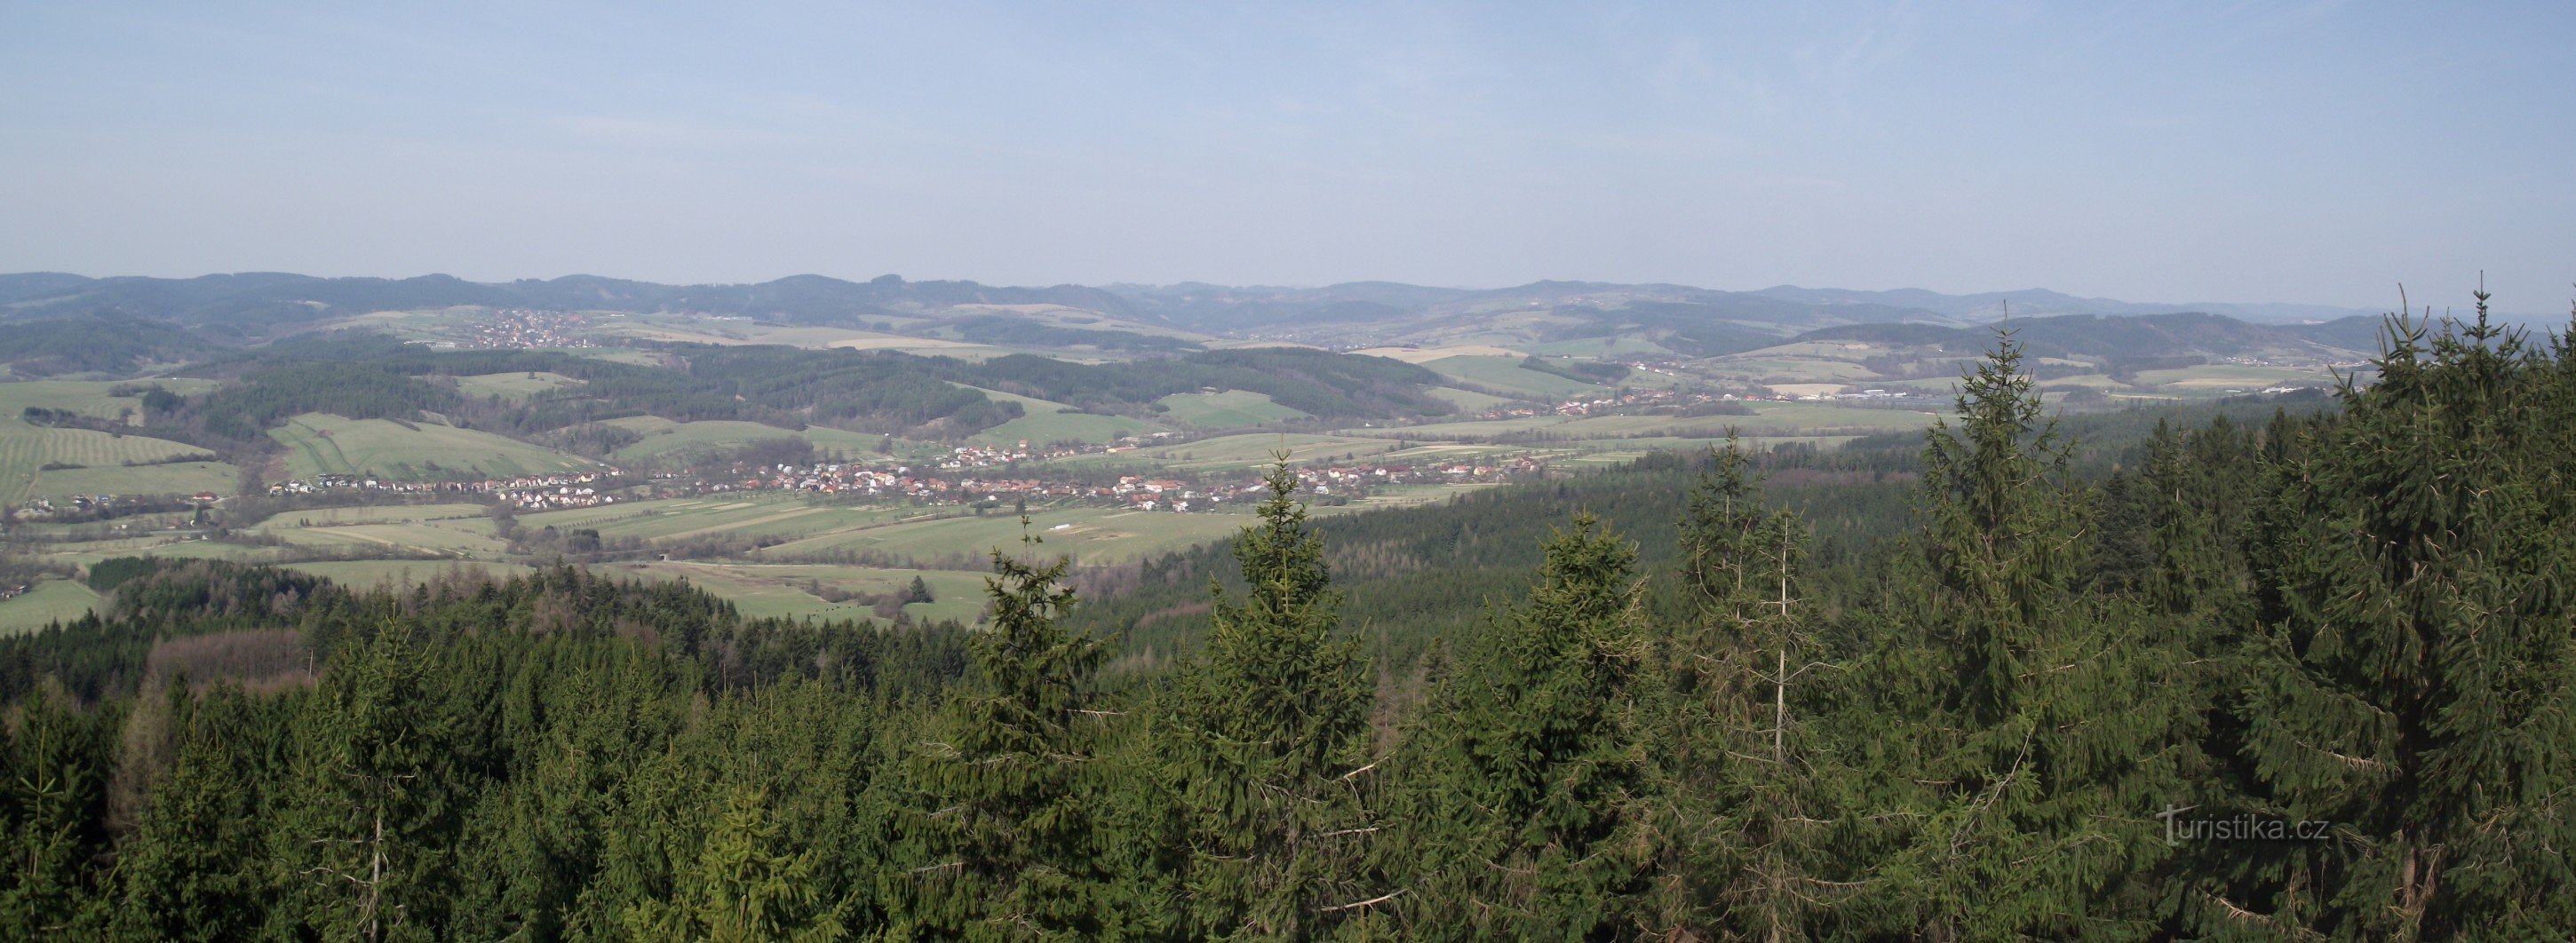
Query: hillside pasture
pixel 46 603
pixel 470 538
pixel 87 397
pixel 168 480
pixel 1468 401
pixel 1041 429
pixel 2217 378
pixel 511 386
pixel 372 514
pixel 1506 374
pixel 670 443
pixel 1239 452
pixel 26 449
pixel 1769 419
pixel 745 517
pixel 1089 535
pixel 323 444
pixel 1232 409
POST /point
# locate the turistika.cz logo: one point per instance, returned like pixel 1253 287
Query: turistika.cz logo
pixel 2248 827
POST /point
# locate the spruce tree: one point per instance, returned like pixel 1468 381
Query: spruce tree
pixel 2026 717
pixel 1266 743
pixel 2412 681
pixel 190 867
pixel 1746 800
pixel 743 887
pixel 1006 777
pixel 366 842
pixel 1541 813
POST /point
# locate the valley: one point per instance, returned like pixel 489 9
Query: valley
pixel 793 451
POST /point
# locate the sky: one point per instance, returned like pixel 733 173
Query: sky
pixel 2316 153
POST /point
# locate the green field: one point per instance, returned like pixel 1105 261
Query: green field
pixel 372 514
pixel 26 449
pixel 1770 419
pixel 2218 377
pixel 176 478
pixel 323 444
pixel 1041 429
pixel 1468 400
pixel 470 537
pixel 667 442
pixel 762 590
pixel 1232 409
pixel 747 516
pixel 88 397
pixel 1091 535
pixel 753 594
pixel 1237 452
pixel 49 602
pixel 1507 374
pixel 512 385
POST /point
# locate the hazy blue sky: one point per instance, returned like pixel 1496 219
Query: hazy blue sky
pixel 2311 152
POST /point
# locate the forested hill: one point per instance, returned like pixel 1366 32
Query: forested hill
pixel 96 343
pixel 2312 677
pixel 359 375
pixel 2130 337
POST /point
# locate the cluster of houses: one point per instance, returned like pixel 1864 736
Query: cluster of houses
pixel 551 492
pixel 989 456
pixel 1138 492
pixel 520 329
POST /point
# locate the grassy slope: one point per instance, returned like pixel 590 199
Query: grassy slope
pixel 1237 452
pixel 322 444
pixel 512 385
pixel 666 441
pixel 1090 535
pixel 50 601
pixel 1506 373
pixel 1232 409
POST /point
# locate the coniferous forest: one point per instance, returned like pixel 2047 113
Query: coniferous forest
pixel 2308 676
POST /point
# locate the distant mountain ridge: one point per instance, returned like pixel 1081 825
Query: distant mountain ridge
pixel 2041 301
pixel 269 300
pixel 2126 337
pixel 1696 321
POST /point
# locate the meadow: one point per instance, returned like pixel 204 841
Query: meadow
pixel 319 444
pixel 1769 419
pixel 1236 452
pixel 512 385
pixel 1506 374
pixel 48 602
pixel 1042 429
pixel 1089 535
pixel 673 443
pixel 746 515
pixel 1232 409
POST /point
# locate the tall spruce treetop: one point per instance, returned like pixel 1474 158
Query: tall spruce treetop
pixel 1544 789
pixel 2413 679
pixel 1267 736
pixel 1999 536
pixel 1746 799
pixel 2036 715
pixel 1010 836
